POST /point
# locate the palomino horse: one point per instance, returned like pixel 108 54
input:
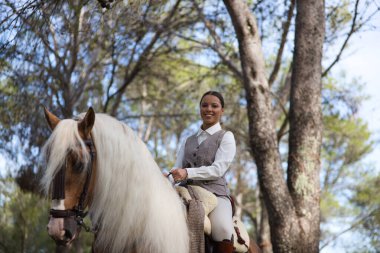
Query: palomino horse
pixel 99 164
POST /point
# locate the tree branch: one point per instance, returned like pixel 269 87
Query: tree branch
pixel 159 115
pixel 280 51
pixel 128 78
pixel 37 32
pixel 218 44
pixel 350 33
pixel 354 225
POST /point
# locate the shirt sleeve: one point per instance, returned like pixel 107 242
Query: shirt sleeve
pixel 223 159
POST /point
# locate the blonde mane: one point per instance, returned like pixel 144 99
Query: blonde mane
pixel 133 203
pixel 64 139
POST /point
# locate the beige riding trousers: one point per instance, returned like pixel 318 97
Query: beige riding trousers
pixel 221 220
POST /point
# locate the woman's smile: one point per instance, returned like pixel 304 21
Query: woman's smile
pixel 211 111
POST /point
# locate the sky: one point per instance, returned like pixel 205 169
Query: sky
pixel 2 166
pixel 364 62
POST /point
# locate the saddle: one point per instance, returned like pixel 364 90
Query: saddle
pixel 209 201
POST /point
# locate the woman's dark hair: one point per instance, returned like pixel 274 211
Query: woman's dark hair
pixel 216 94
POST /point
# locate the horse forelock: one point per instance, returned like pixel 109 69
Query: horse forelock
pixel 132 200
pixel 64 139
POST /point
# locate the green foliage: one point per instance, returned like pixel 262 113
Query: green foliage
pixel 347 138
pixel 340 15
pixel 346 141
pixel 367 193
pixel 330 206
pixel 23 220
pixel 367 198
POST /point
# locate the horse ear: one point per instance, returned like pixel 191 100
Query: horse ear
pixel 51 119
pixel 86 124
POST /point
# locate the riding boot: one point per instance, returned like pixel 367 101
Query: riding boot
pixel 225 246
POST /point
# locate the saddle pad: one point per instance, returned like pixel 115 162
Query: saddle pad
pixel 241 237
pixel 208 199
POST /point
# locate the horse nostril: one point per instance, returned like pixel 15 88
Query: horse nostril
pixel 68 235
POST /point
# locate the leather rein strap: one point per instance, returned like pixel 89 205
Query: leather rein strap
pixel 59 191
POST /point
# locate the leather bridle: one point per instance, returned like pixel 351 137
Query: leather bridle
pixel 77 212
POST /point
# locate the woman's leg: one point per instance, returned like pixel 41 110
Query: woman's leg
pixel 221 226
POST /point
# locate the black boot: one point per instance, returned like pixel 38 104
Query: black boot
pixel 225 246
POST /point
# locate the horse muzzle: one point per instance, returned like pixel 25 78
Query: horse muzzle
pixel 63 230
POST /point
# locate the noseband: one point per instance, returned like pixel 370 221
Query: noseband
pixel 77 212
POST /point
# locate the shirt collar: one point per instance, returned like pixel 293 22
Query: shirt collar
pixel 211 130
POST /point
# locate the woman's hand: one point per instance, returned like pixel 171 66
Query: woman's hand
pixel 179 174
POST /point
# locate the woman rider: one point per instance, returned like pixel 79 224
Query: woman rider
pixel 203 159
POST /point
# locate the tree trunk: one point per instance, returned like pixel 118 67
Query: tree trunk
pixel 305 120
pixel 291 208
pixel 264 230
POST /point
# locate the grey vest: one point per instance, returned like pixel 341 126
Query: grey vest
pixel 204 155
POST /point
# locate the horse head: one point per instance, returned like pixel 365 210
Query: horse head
pixel 128 200
pixel 70 160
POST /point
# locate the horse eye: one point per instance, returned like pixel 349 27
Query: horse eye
pixel 78 166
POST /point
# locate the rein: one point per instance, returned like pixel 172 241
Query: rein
pixel 59 192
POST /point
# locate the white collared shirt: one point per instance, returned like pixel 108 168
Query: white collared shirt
pixel 223 157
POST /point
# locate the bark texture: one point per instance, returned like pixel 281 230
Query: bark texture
pixel 305 120
pixel 293 207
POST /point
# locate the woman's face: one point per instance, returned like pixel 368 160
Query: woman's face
pixel 211 111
